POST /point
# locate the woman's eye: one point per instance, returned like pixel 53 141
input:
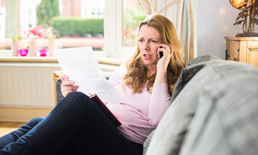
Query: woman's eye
pixel 140 40
pixel 154 41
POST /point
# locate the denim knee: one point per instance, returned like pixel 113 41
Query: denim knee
pixel 78 99
pixel 77 96
pixel 35 121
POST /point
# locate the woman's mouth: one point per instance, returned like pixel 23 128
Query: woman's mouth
pixel 146 56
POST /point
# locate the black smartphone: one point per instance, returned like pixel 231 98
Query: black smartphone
pixel 160 55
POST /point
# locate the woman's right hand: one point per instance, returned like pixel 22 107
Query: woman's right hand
pixel 67 85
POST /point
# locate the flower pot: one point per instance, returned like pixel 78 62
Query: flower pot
pixel 15 46
pixel 33 44
pixel 52 45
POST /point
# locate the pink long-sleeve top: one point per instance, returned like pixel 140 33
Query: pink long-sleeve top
pixel 139 113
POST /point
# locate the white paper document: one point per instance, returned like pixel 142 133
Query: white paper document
pixel 81 65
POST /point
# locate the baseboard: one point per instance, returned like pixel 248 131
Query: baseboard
pixel 21 114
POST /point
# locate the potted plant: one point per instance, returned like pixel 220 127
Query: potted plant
pixel 15 44
pixel 34 34
pixel 51 34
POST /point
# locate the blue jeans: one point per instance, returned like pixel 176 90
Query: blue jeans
pixel 76 124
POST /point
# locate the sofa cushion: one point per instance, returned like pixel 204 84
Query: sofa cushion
pixel 171 131
pixel 186 75
pixel 147 141
pixel 191 69
pixel 226 119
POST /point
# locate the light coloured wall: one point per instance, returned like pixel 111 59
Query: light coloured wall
pixel 215 21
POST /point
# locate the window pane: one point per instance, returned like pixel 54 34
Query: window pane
pixel 132 18
pixel 74 22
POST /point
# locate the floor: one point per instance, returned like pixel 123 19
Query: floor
pixel 7 127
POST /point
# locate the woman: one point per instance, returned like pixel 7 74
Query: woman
pixel 76 124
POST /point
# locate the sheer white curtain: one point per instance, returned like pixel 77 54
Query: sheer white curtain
pixel 181 13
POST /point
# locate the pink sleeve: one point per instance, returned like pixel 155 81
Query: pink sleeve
pixel 160 101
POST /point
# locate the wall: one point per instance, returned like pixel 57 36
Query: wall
pixel 215 21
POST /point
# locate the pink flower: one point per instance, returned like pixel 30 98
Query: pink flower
pixel 49 30
pixel 36 31
pixel 50 33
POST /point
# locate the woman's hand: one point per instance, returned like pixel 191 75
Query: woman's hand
pixel 67 85
pixel 163 62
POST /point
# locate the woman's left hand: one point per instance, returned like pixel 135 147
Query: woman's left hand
pixel 163 62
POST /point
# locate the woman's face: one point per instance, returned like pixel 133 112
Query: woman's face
pixel 149 41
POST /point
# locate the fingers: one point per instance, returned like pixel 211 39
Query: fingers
pixel 63 77
pixel 165 48
pixel 67 85
pixel 172 49
pixel 68 89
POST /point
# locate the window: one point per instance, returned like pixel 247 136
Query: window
pixel 93 11
pixel 132 17
pixel 101 11
pixel 74 36
pixel 115 26
pixel 29 11
pixel 30 22
pixel 110 37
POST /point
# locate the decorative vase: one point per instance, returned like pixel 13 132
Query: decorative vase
pixel 51 47
pixel 15 46
pixel 33 47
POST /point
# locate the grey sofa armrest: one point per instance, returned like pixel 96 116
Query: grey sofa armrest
pixel 59 95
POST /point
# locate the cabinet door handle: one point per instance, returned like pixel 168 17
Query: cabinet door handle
pixel 227 55
pixel 235 59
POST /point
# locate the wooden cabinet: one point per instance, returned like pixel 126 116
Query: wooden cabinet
pixel 242 49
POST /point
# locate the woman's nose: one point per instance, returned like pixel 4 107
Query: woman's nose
pixel 146 46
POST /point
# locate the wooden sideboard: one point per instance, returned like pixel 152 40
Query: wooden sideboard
pixel 242 49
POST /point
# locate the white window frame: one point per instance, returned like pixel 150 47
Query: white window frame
pixel 113 30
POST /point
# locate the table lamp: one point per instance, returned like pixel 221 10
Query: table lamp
pixel 246 17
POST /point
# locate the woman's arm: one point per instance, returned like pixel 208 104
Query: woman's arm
pixel 160 101
pixel 160 98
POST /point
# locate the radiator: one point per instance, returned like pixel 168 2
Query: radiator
pixel 27 85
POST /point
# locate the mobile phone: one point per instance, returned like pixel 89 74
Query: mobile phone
pixel 160 55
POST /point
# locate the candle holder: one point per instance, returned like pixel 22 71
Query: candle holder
pixel 23 52
pixel 43 52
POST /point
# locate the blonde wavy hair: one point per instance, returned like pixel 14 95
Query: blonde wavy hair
pixel 136 75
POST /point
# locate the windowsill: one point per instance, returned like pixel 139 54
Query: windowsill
pixel 101 60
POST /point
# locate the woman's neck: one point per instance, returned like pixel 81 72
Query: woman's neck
pixel 151 70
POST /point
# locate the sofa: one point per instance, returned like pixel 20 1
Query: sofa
pixel 213 111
